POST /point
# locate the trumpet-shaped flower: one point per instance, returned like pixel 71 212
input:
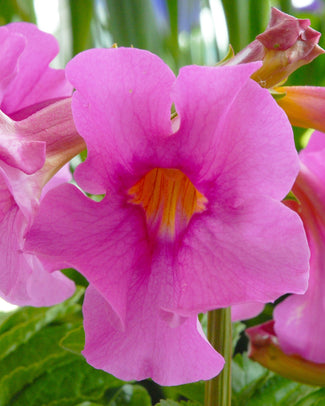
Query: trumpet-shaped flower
pixel 32 150
pixel 187 221
pixel 302 315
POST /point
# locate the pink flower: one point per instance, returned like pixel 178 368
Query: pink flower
pixel 302 316
pixel 31 152
pixel 187 221
pixel 23 279
pixel 285 45
pixel 26 79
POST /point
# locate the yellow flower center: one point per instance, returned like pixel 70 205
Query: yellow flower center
pixel 169 200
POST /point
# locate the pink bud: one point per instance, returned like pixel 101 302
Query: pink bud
pixel 285 45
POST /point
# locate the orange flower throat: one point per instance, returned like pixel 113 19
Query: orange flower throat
pixel 169 200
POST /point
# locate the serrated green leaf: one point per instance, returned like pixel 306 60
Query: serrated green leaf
pixel 254 385
pixel 31 360
pixel 74 341
pixel 24 323
pixel 279 391
pixel 67 385
pixel 131 395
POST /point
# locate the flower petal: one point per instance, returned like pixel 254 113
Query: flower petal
pixel 299 321
pixel 23 280
pixel 35 81
pixel 234 140
pixel 302 315
pixel 148 347
pixel 106 244
pixel 122 104
pixel 239 256
pixel 18 151
pixel 246 310
pixel 12 45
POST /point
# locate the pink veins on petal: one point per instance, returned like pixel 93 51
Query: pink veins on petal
pixel 180 230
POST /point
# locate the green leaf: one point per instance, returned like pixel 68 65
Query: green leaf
pixel 247 377
pixel 68 385
pixel 279 391
pixel 21 325
pixel 74 341
pixel 30 360
pixel 314 399
pixel 192 391
pixel 4 316
pixel 254 385
pixel 131 395
pixel 29 340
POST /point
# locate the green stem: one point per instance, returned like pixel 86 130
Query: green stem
pixel 218 389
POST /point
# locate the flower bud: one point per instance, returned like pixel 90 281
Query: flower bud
pixel 285 45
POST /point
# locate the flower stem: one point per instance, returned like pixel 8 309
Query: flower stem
pixel 218 389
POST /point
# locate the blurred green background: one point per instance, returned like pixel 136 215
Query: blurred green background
pixel 179 31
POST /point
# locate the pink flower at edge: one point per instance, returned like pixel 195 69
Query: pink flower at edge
pixel 23 278
pixel 26 78
pixel 264 348
pixel 304 105
pixel 32 150
pixel 303 315
pixel 187 223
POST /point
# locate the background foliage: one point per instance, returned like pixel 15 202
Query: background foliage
pixel 40 360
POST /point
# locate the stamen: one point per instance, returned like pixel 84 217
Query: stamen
pixel 169 200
